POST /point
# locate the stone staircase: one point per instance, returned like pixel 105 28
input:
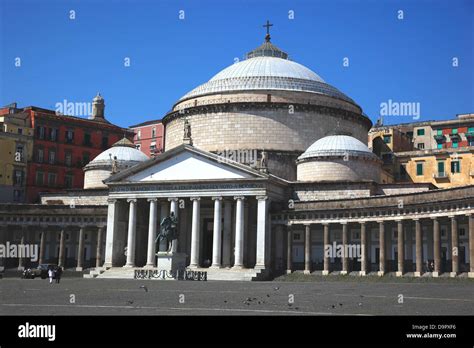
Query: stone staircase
pixel 212 274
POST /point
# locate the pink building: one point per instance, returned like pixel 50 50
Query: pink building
pixel 149 137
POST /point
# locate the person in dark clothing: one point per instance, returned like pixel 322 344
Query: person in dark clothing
pixel 59 271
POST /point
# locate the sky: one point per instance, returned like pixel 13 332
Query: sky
pixel 143 55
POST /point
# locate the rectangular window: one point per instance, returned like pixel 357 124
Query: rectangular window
pixel 105 142
pixel 153 132
pixel 18 177
pixel 39 178
pixel 68 158
pixel 51 179
pixel 139 134
pixel 52 156
pixel 421 146
pixel 455 166
pixel 420 131
pixel 439 146
pixel 440 167
pixel 53 135
pixel 19 153
pixel 85 158
pixel 454 131
pixel 40 132
pixel 455 144
pixel 69 136
pixel 68 181
pixel 419 169
pixel 387 139
pixel 20 130
pixel 87 139
pixel 40 155
pixel 439 132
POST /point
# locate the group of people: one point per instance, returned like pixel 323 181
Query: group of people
pixel 55 274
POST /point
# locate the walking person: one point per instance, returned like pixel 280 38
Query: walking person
pixel 50 275
pixel 59 271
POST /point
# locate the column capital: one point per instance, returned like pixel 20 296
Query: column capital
pixel 307 224
pixel 434 218
pixel 381 222
pixel 152 199
pixel 343 222
pixel 470 215
pixel 362 222
pixel 452 217
pixel 131 200
pixel 216 198
pixel 194 198
pixel 325 223
pixel 111 200
pixel 261 198
pixel 239 198
pixel 173 199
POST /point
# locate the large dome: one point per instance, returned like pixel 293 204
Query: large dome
pixel 266 68
pixel 124 151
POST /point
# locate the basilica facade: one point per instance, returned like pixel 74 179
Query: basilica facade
pixel 267 170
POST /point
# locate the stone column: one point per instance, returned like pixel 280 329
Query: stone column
pixel 326 249
pixel 132 227
pixel 454 247
pixel 307 249
pixel 471 245
pixel 436 248
pixel 217 233
pixel 150 261
pixel 174 210
pixel 363 242
pixel 239 233
pixel 42 247
pixel 289 250
pixel 401 248
pixel 98 255
pixel 80 250
pixel 227 238
pixel 345 259
pixel 262 227
pixel 62 240
pixel 195 232
pixel 164 211
pixel 419 249
pixel 21 259
pixel 112 253
pixel 381 248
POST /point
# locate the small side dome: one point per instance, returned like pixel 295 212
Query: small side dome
pixel 338 158
pixel 120 156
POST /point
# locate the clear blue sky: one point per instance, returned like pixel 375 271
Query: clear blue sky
pixel 407 60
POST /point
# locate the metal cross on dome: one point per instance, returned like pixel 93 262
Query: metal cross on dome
pixel 268 25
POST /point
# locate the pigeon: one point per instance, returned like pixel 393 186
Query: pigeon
pixel 129 302
pixel 248 299
pixel 289 304
pixel 360 304
pixel 340 304
pixel 268 295
pixel 225 301
pixel 333 306
pixel 297 308
pixel 144 288
pixel 276 288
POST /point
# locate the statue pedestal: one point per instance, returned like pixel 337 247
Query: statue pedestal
pixel 170 261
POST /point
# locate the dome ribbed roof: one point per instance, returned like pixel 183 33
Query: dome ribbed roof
pixel 337 145
pixel 266 68
pixel 124 150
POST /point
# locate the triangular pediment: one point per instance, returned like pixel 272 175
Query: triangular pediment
pixel 186 163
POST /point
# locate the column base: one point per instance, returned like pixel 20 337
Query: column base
pixel 21 268
pixel 79 269
pixel 289 271
pixel 216 267
pixel 453 274
pixel 435 274
pixel 325 273
pixel 149 266
pixel 107 265
pixel 306 271
pixel 470 274
pixel 193 266
pixel 343 273
pixel 362 273
pixel 238 267
pixel 399 274
pixel 381 273
pixel 417 274
pixel 129 266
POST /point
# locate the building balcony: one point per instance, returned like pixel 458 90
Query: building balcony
pixel 455 137
pixel 440 138
pixel 470 135
pixel 441 175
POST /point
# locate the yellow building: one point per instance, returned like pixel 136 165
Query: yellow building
pixel 16 149
pixel 443 168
